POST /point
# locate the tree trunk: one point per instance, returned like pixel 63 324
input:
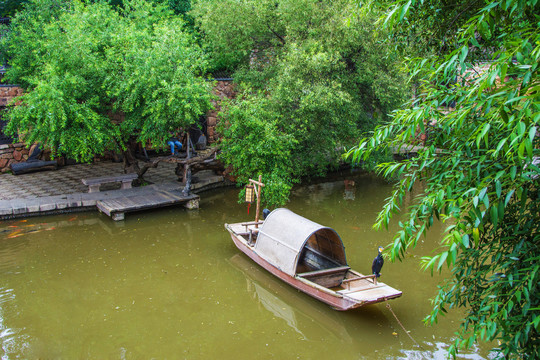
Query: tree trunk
pixel 131 165
pixel 150 164
pixel 198 163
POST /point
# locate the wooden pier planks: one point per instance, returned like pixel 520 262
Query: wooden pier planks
pixel 116 208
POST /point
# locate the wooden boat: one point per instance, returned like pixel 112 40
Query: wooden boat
pixel 310 257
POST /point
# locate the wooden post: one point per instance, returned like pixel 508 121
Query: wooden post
pixel 187 172
pixel 258 193
pixel 258 202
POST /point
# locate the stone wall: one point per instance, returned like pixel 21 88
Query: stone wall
pixel 17 152
pixel 224 89
pixel 7 93
pixel 12 154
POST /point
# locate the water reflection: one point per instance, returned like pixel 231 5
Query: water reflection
pixel 12 340
pixel 171 284
pixel 307 316
pixel 437 350
pixel 18 228
pixel 350 190
pixel 298 310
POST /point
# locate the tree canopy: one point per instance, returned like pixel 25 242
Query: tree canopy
pixel 82 65
pixel 309 78
pixel 479 169
pixel 11 7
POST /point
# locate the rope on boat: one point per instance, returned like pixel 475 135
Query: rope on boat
pixel 403 327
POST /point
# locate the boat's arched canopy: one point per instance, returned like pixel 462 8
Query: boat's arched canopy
pixel 295 244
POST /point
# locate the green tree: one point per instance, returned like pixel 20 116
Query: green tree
pixel 95 77
pixel 180 7
pixel 479 167
pixel 313 76
pixel 10 7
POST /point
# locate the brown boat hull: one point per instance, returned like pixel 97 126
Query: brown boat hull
pixel 334 299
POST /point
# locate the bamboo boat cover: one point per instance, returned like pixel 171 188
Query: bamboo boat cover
pixel 284 234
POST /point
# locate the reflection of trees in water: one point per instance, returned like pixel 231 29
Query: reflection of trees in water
pixel 316 193
pixel 362 184
pixel 350 190
pixel 330 204
pixel 13 340
pixel 437 350
pixel 17 228
pixel 14 259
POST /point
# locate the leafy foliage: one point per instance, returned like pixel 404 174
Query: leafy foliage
pixel 308 80
pixel 253 141
pixel 81 65
pixel 180 7
pixel 426 27
pixel 10 7
pixel 479 169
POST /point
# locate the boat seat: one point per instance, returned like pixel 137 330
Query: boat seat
pixel 250 223
pixel 325 271
pixel 329 278
pixel 313 259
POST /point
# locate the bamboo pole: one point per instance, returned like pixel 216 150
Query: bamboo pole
pixel 258 193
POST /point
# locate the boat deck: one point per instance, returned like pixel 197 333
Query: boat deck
pixel 369 292
pixel 242 229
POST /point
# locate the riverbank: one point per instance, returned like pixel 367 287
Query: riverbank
pixel 62 191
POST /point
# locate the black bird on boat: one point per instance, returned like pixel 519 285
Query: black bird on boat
pixel 378 263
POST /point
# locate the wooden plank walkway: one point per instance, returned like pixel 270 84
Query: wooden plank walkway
pixel 73 201
pixel 117 207
pixel 411 149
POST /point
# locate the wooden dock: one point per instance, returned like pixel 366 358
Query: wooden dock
pixel 117 207
pixel 411 149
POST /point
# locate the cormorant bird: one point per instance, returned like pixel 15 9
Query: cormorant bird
pixel 378 262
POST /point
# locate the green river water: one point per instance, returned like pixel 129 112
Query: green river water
pixel 170 284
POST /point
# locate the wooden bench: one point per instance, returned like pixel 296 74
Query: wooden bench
pixel 95 183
